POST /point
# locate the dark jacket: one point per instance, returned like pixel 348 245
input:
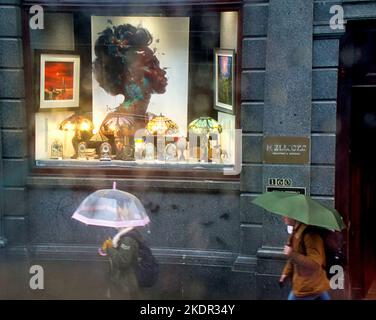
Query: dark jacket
pixel 123 263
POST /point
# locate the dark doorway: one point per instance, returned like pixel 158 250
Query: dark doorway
pixel 356 158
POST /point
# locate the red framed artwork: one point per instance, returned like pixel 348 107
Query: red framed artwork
pixel 59 85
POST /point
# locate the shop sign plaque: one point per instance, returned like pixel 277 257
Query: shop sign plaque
pixel 285 182
pixel 300 190
pixel 286 150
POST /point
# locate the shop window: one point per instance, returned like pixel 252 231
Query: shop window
pixel 122 89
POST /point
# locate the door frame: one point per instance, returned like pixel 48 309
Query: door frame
pixel 347 178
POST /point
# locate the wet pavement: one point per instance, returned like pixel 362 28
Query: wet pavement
pixel 88 280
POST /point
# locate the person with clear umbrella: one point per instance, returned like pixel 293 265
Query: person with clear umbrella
pixel 123 211
pixel 122 252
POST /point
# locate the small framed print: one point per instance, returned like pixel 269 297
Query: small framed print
pixel 59 80
pixel 224 80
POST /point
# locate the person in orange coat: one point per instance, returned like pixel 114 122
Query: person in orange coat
pixel 305 265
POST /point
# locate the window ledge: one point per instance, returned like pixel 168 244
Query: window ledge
pixel 207 166
pixel 105 182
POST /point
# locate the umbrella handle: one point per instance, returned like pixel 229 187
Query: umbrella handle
pixel 101 252
pixel 116 238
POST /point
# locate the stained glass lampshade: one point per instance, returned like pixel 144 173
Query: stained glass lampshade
pixel 204 125
pixel 161 125
pixel 76 123
pixel 118 124
pixel 82 128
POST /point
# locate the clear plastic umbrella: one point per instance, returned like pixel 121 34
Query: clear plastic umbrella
pixel 112 208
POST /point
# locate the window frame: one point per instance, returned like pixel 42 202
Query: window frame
pixel 120 8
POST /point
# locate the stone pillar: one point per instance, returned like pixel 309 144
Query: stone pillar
pixel 255 19
pixel 2 238
pixel 325 60
pixel 287 112
pixel 13 150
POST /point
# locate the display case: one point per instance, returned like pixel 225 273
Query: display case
pixel 143 86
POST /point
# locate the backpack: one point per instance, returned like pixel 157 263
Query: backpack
pixel 333 245
pixel 147 269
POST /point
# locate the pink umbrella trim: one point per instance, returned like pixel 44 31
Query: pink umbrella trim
pixel 114 224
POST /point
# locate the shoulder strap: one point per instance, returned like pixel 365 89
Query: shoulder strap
pixel 315 230
pixel 302 243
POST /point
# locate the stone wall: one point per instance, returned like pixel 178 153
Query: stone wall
pixel 13 122
pixel 289 88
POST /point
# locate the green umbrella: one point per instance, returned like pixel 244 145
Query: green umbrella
pixel 301 208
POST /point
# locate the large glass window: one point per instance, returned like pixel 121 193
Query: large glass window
pixel 131 89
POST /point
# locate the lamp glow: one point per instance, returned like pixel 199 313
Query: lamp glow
pixel 162 125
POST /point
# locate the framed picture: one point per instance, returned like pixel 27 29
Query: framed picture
pixel 224 80
pixel 59 80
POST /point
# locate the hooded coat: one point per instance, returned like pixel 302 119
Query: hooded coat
pixel 123 259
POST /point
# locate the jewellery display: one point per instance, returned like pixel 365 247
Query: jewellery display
pixel 181 145
pixel 139 147
pixel 214 151
pixel 105 152
pixel 204 149
pixel 149 151
pixel 57 150
pixel 81 151
pixel 126 153
pixel 194 154
pixel 161 144
pixel 224 155
pixel 124 137
pixel 216 154
pixel 171 152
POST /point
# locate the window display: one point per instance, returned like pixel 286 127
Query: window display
pixel 149 100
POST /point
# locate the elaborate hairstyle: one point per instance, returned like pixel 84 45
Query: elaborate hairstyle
pixel 116 49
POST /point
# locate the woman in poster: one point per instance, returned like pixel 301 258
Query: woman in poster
pixel 126 65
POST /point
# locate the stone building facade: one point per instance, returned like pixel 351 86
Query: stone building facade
pixel 219 245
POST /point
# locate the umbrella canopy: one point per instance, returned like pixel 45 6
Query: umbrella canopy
pixel 301 208
pixel 205 125
pixel 112 208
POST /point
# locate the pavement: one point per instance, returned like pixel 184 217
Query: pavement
pixel 88 280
